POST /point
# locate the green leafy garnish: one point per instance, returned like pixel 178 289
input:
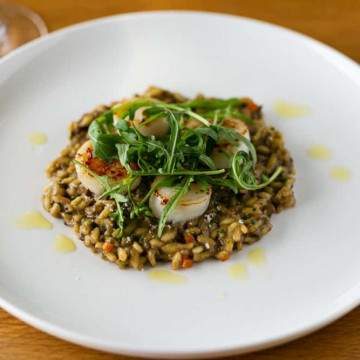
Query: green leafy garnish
pixel 242 173
pixel 182 156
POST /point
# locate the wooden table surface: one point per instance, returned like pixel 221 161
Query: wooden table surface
pixel 336 23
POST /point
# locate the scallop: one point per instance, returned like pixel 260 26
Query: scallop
pixel 158 127
pixel 191 205
pixel 87 165
pixel 223 152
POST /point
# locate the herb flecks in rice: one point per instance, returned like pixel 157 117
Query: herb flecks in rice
pixel 230 222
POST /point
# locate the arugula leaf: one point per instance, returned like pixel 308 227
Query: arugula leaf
pixel 106 120
pixel 211 131
pixel 117 188
pixel 207 161
pixel 227 134
pixel 224 182
pixel 129 108
pixel 120 198
pixel 174 136
pixel 122 125
pixel 218 109
pixel 187 112
pixel 251 148
pixel 119 215
pixel 241 171
pixel 129 137
pixel 231 136
pixel 103 142
pixel 123 150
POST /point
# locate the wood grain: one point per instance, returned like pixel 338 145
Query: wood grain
pixel 336 23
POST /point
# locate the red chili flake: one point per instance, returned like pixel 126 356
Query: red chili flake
pixel 163 199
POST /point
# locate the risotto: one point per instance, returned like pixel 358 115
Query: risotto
pixel 162 178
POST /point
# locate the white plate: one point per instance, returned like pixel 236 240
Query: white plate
pixel 312 274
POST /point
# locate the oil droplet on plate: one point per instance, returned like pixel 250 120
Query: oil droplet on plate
pixel 166 276
pixel 340 173
pixel 238 271
pixel 319 152
pixel 37 138
pixel 290 110
pixel 256 257
pixel 33 220
pixel 64 244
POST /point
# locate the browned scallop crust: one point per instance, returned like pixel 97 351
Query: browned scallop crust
pixel 230 222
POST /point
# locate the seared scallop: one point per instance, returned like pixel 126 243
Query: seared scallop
pixel 191 205
pixel 87 165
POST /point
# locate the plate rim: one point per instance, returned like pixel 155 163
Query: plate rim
pixel 350 300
